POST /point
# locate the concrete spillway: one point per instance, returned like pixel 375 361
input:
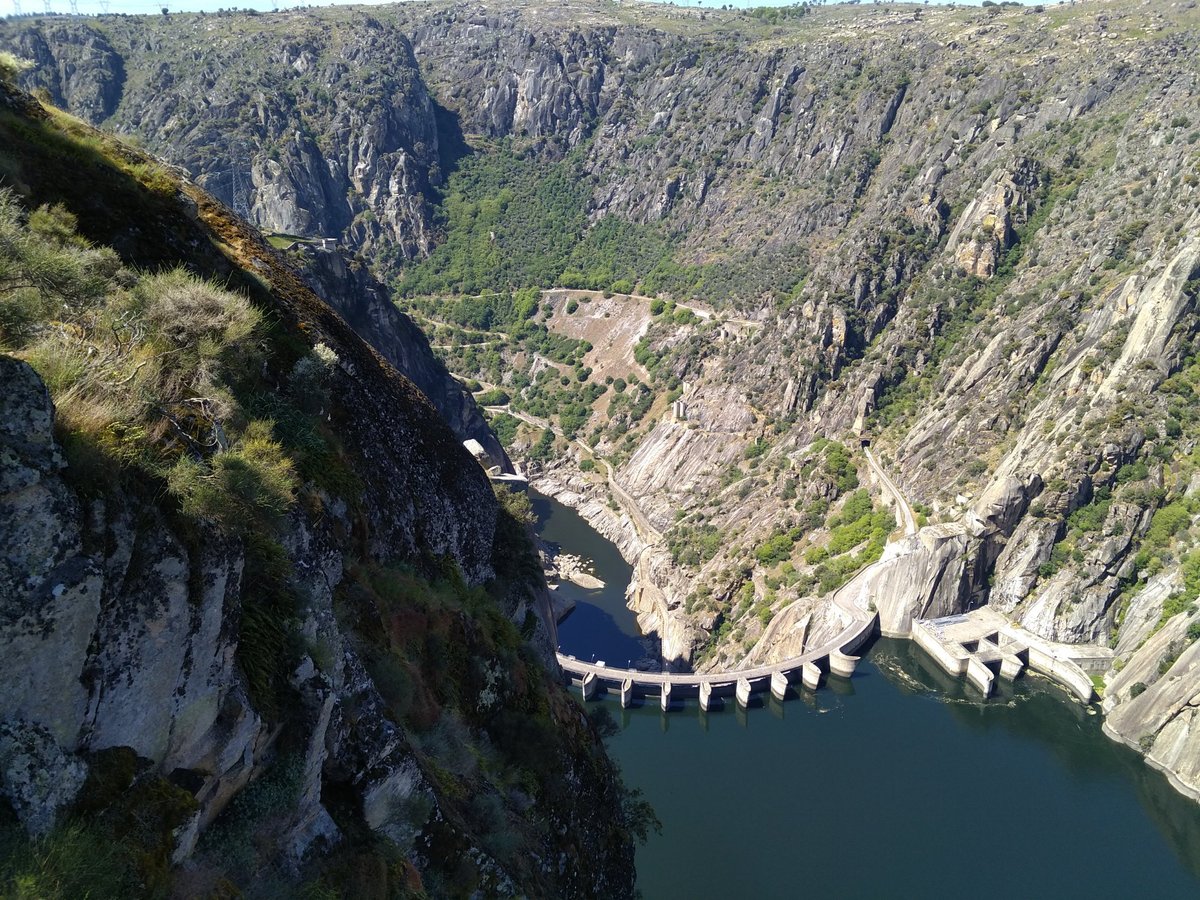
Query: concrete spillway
pixel 982 643
pixel 811 675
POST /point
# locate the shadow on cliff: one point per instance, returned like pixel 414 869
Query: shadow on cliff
pixel 452 143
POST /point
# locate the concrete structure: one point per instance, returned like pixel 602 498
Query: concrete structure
pixel 779 685
pixel 626 693
pixel 589 685
pixel 811 676
pixel 842 664
pixel 515 480
pixel 983 643
pixel 1011 667
pixel 743 692
pixel 834 655
pixel 980 675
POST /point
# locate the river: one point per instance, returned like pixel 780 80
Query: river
pixel 898 783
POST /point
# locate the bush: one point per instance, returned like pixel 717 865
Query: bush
pixel 12 66
pixel 46 271
pixel 1138 689
pixel 505 427
pixel 1135 471
pixel 494 397
pixel 247 486
pixel 1166 523
pixel 71 861
pixel 194 315
pixel 839 465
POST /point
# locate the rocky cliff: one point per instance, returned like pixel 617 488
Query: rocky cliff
pixel 262 126
pixel 363 302
pixel 342 685
pixel 966 234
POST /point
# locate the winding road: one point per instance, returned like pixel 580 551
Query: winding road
pixel 908 519
pixel 647 532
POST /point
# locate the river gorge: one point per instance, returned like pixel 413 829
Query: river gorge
pixel 932 787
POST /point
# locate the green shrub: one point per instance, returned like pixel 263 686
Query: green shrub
pixel 1138 689
pixel 74 860
pixel 193 318
pixel 494 397
pixel 46 272
pixel 250 485
pixel 505 427
pixel 12 66
pixel 693 545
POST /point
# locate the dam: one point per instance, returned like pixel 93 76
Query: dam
pixel 900 761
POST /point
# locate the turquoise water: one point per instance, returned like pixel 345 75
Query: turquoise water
pixel 897 783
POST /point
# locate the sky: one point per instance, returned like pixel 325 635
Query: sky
pixel 142 7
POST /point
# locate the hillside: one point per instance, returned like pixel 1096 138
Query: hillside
pixel 968 235
pixel 268 631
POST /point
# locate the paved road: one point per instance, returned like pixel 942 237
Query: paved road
pixel 908 519
pixel 647 532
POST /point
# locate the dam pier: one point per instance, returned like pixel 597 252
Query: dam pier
pixel 630 685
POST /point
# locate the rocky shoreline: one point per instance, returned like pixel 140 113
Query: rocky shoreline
pixel 652 592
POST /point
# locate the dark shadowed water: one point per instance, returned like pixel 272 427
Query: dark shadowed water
pixel 601 627
pixel 898 783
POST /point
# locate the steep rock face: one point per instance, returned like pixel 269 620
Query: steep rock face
pixel 1152 701
pixel 926 576
pixel 159 673
pixel 251 120
pixel 46 576
pixel 131 646
pixel 985 229
pixel 77 65
pixel 509 76
pixel 363 302
pixel 129 624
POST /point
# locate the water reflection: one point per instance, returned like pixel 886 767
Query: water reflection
pixel 897 783
pixel 1037 710
pixel 601 625
pixel 888 787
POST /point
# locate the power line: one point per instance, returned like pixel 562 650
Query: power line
pixel 74 7
pixel 16 7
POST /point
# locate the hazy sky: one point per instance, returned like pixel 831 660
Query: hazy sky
pixel 155 6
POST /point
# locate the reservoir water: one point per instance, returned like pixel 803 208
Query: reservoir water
pixel 601 627
pixel 898 783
